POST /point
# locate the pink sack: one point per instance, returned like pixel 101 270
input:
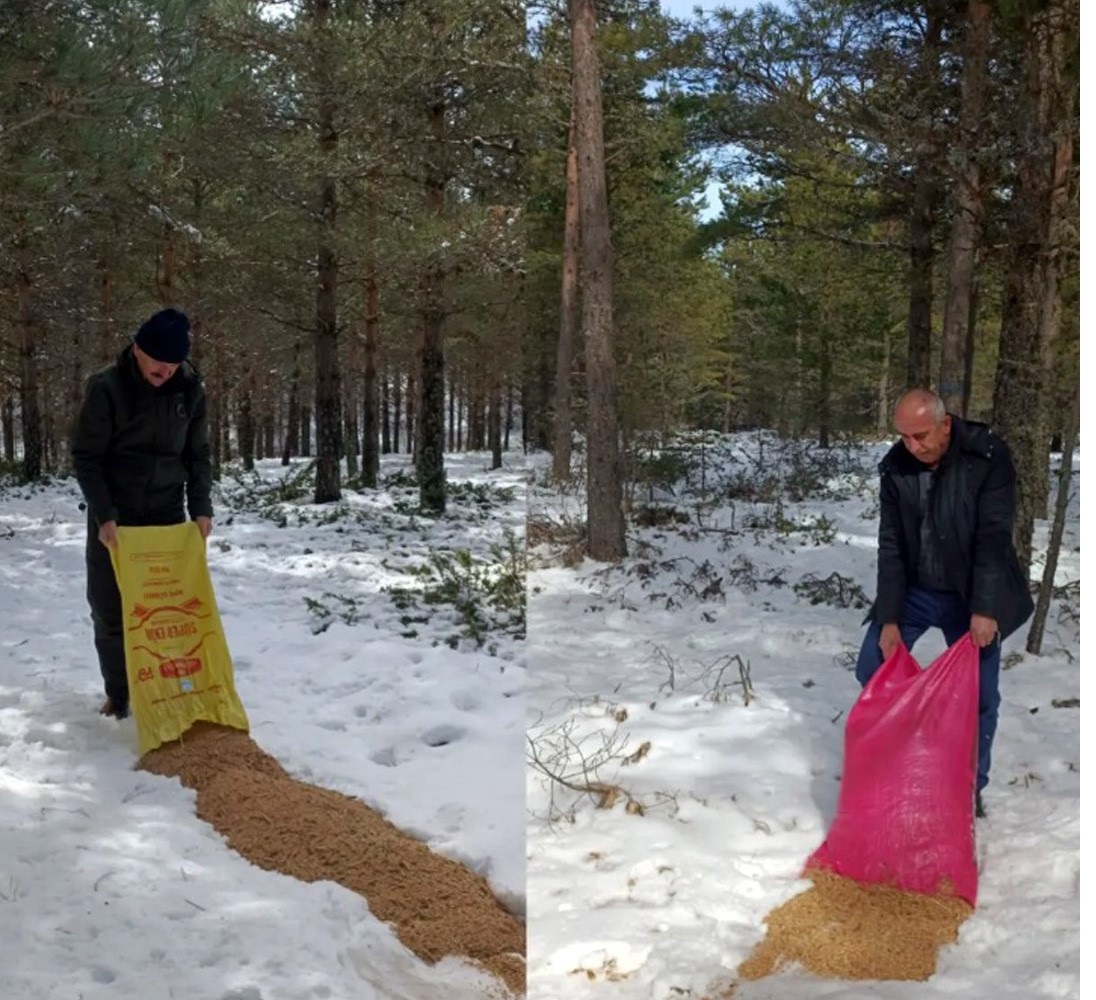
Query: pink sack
pixel 905 811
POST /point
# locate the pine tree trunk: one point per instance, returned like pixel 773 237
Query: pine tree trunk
pixel 451 424
pixel 969 208
pixel 245 422
pixel 293 414
pixel 562 420
pixel 971 334
pixel 269 449
pixel 397 410
pixel 508 424
pixel 1057 529
pixel 328 403
pixel 29 408
pixel 923 206
pixel 882 399
pixel 410 400
pixel 494 423
pixel 306 430
pixel 604 514
pixel 217 403
pixel 165 269
pixel 106 319
pixel 461 407
pixel 371 459
pixel 1032 297
pixel 919 325
pixel 430 450
pixel 386 421
pixel 7 422
pixel 825 393
pixel 350 436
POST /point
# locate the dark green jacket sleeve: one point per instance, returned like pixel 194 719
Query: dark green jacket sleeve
pixel 90 442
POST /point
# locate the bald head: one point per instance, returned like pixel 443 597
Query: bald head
pixel 924 424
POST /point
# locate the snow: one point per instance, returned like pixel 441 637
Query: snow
pixel 110 887
pixel 667 902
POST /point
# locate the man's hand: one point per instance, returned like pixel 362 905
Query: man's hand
pixel 205 525
pixel 983 630
pixel 108 534
pixel 889 638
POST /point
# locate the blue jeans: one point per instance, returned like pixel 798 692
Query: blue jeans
pixel 948 612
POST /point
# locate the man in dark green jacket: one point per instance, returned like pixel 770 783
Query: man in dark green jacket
pixel 946 558
pixel 141 453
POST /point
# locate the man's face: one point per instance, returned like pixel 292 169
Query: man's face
pixel 154 372
pixel 924 438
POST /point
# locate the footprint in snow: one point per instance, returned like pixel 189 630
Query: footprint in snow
pixel 440 736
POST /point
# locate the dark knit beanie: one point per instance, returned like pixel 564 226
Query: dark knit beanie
pixel 165 336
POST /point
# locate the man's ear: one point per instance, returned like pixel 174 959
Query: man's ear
pixel 946 423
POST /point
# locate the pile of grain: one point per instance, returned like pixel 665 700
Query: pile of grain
pixel 437 906
pixel 845 930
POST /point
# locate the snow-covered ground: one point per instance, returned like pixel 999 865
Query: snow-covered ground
pixel 110 887
pixel 637 681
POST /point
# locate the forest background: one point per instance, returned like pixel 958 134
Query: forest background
pixel 364 208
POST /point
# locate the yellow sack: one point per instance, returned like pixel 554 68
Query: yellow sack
pixel 177 659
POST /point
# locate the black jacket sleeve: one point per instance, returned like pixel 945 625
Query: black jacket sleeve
pixel 996 507
pixel 196 458
pixel 90 442
pixel 891 582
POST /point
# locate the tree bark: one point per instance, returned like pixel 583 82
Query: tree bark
pixel 386 424
pixel 1032 297
pixel 562 420
pixel 293 414
pixel 604 513
pixel 971 333
pixel 494 422
pixel 29 408
pixel 371 459
pixel 969 194
pixel 923 205
pixel 825 392
pixel 327 402
pixel 106 320
pixel 397 410
pixel 245 421
pixel 430 451
pixel 1057 529
pixel 7 421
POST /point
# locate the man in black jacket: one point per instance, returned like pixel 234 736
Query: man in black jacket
pixel 946 558
pixel 141 452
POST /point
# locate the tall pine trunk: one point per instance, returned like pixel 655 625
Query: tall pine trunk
pixel 430 451
pixel 966 227
pixel 923 206
pixel 327 402
pixel 604 513
pixel 1032 297
pixel 291 446
pixel 562 421
pixel 29 407
pixel 1057 529
pixel 371 459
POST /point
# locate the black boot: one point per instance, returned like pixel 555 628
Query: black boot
pixel 114 708
pixel 979 809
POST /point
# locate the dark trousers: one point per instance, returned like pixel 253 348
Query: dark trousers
pixel 948 612
pixel 106 603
